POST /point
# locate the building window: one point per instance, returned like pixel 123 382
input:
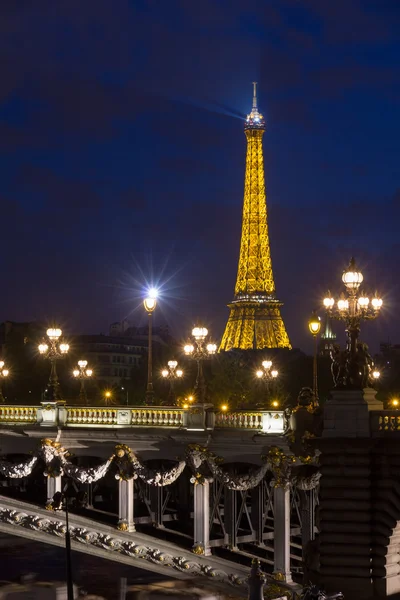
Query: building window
pixel 116 372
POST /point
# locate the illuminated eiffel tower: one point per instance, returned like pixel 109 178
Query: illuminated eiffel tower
pixel 255 320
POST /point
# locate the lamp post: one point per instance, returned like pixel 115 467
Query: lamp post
pixel 267 373
pixel 82 373
pixel 199 351
pixel 150 303
pixel 172 373
pixel 53 351
pixel 352 368
pixel 3 374
pixel 314 325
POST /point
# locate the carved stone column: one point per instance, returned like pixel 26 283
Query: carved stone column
pixel 202 518
pixel 282 532
pixel 126 505
pixel 54 485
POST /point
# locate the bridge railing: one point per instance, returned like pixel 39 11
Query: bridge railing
pixel 59 414
pixel 384 421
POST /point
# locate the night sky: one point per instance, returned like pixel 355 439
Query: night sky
pixel 122 155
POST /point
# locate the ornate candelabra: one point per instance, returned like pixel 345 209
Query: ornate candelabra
pixel 53 351
pixel 172 373
pixel 314 325
pixel 199 351
pixel 267 374
pixel 352 367
pixel 82 373
pixel 150 303
pixel 3 374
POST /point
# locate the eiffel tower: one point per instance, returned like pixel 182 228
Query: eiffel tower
pixel 255 320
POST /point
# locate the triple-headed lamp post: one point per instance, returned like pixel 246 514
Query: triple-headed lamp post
pixel 150 303
pixel 53 351
pixel 172 373
pixel 267 373
pixel 199 351
pixel 353 368
pixel 3 374
pixel 314 325
pixel 82 373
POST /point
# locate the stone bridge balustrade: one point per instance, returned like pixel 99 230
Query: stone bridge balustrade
pixel 58 414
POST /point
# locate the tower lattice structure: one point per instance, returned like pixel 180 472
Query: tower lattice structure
pixel 255 320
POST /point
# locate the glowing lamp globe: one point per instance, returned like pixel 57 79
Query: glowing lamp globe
pixel 267 364
pixel 259 374
pixel 352 278
pixel 82 363
pixel 343 304
pixel 5 372
pixel 199 333
pixel 376 374
pixel 1 364
pixel 53 334
pixel 75 373
pixel 376 303
pixel 172 364
pixel 274 374
pixel 188 349
pixel 211 348
pixel 89 372
pixel 150 304
pixel 179 372
pixel 363 302
pixel 64 348
pixel 43 348
pixel 314 324
pixel 329 302
pixel 164 373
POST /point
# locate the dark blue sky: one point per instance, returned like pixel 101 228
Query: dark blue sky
pixel 122 154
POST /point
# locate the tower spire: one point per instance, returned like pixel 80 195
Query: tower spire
pixel 255 320
pixel 254 95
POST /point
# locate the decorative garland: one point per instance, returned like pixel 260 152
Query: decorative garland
pixel 239 483
pixel 202 463
pixel 130 467
pixel 20 470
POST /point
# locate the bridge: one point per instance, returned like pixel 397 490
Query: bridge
pixel 178 487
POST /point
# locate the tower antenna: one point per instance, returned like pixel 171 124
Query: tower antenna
pixel 255 94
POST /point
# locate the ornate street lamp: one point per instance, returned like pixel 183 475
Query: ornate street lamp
pixel 268 374
pixel 82 373
pixel 53 351
pixel 352 367
pixel 200 351
pixel 314 325
pixel 3 374
pixel 150 303
pixel 172 373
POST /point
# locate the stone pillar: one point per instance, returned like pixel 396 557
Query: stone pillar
pixel 347 494
pixel 156 503
pixel 282 533
pixel 54 485
pixel 126 505
pixel 202 518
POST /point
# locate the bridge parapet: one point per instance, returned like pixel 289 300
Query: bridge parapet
pixel 58 414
